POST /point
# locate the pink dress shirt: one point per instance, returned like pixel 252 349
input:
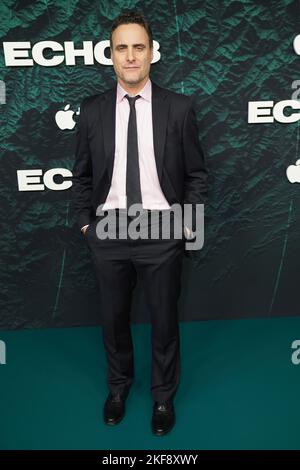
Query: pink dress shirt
pixel 152 195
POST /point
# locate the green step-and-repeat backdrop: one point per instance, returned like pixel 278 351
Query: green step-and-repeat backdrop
pixel 240 60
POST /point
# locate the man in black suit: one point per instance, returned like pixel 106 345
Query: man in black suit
pixel 137 143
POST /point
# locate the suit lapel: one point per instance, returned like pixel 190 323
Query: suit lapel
pixel 108 119
pixel 160 108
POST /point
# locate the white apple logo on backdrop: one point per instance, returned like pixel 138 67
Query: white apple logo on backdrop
pixel 296 44
pixel 293 172
pixel 64 118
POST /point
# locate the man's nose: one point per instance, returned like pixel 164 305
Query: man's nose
pixel 130 55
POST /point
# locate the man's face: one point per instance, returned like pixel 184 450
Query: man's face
pixel 131 54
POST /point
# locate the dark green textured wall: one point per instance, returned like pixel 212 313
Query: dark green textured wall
pixel 224 53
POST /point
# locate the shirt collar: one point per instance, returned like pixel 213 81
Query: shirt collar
pixel 144 93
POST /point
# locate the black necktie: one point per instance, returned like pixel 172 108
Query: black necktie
pixel 133 186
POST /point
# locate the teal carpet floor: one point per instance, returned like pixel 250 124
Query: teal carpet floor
pixel 239 389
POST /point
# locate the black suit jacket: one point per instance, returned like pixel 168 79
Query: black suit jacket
pixel 178 154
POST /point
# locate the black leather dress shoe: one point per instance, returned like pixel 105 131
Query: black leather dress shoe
pixel 114 409
pixel 163 417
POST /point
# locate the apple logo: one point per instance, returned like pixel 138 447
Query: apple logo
pixel 64 118
pixel 296 44
pixel 293 172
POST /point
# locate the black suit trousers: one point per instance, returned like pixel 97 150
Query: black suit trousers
pixel 158 264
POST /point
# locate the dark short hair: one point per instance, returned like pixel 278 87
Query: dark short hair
pixel 129 17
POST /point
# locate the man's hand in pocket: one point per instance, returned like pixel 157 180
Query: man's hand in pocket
pixel 84 229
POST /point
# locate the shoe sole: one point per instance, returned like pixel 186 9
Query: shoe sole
pixel 113 423
pixel 163 433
